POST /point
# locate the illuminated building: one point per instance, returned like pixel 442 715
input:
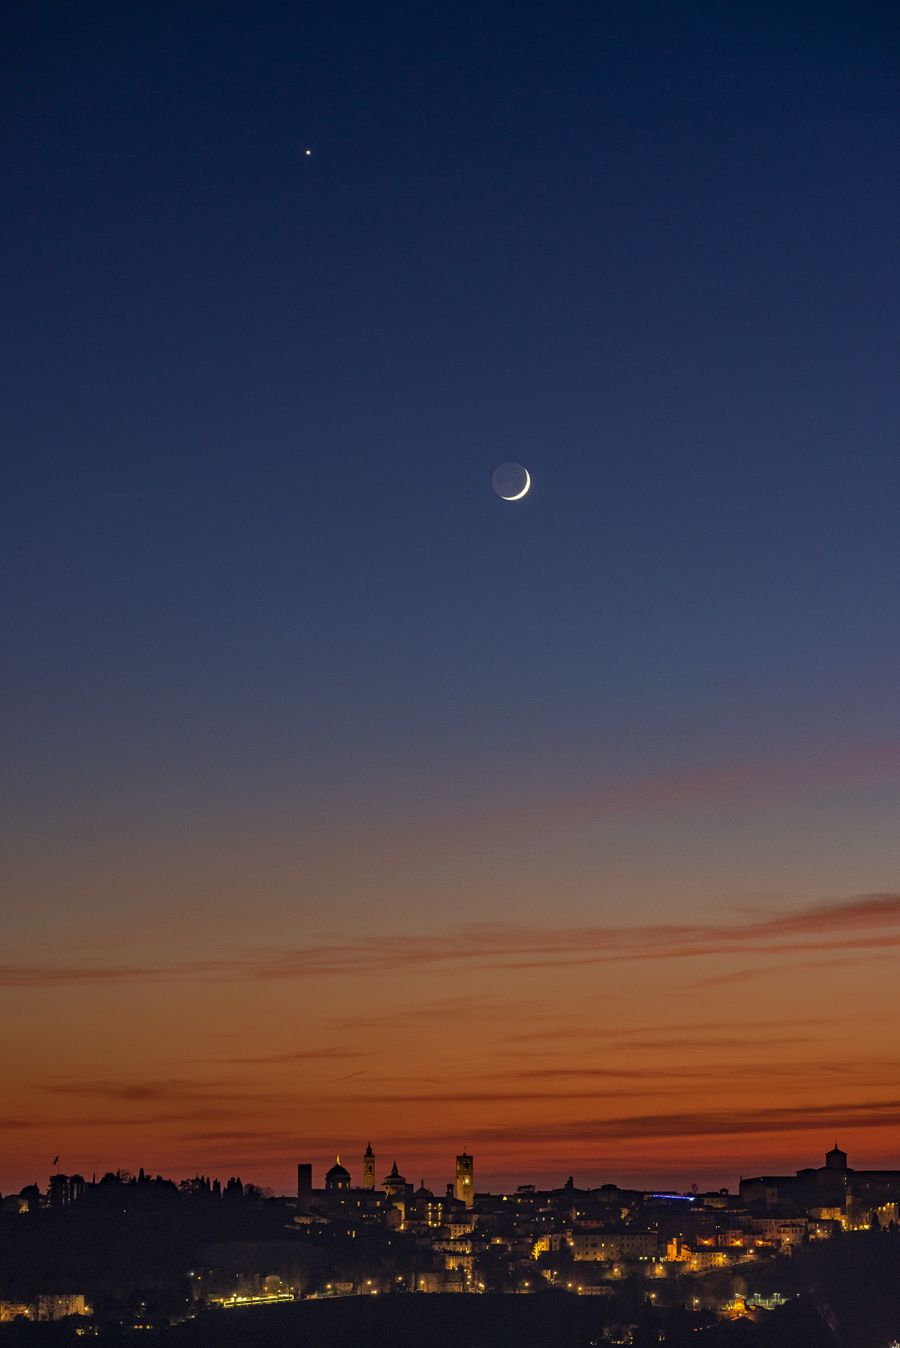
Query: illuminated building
pixel 48 1306
pixel 57 1307
pixel 782 1232
pixel 833 1186
pixel 464 1189
pixel 390 1237
pixel 16 1310
pixel 613 1245
pixel 338 1177
pixel 395 1184
pixel 700 1261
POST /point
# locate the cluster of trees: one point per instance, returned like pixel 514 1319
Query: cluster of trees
pixel 123 1232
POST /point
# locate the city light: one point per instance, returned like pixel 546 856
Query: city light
pixel 485 1243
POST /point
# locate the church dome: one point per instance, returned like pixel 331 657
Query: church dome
pixel 394 1181
pixel 338 1177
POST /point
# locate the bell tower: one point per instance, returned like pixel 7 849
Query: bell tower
pixel 369 1168
pixel 464 1189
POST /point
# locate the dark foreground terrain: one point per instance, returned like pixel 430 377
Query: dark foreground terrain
pixel 843 1293
pixel 435 1321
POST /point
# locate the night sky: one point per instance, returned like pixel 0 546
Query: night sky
pixel 341 799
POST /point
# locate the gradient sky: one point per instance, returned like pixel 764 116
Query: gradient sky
pixel 342 800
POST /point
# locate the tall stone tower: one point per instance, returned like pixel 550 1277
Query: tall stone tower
pixel 464 1189
pixel 304 1185
pixel 369 1168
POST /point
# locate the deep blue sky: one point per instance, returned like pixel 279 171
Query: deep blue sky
pixel 254 398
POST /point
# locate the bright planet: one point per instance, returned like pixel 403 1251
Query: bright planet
pixel 511 481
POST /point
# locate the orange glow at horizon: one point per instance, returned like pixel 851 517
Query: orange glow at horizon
pixel 648 1055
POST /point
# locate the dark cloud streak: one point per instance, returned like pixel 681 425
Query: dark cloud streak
pixel 864 922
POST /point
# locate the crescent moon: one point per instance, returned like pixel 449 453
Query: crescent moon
pixel 519 494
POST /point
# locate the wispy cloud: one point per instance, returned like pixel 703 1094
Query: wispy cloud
pixel 712 1043
pixel 445 1008
pixel 291 1056
pixel 488 1096
pixel 682 1129
pixel 842 961
pixel 747 777
pixel 706 1123
pixel 687 1076
pixel 744 779
pixel 589 1073
pixel 863 922
pixel 174 1090
pixel 67 975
